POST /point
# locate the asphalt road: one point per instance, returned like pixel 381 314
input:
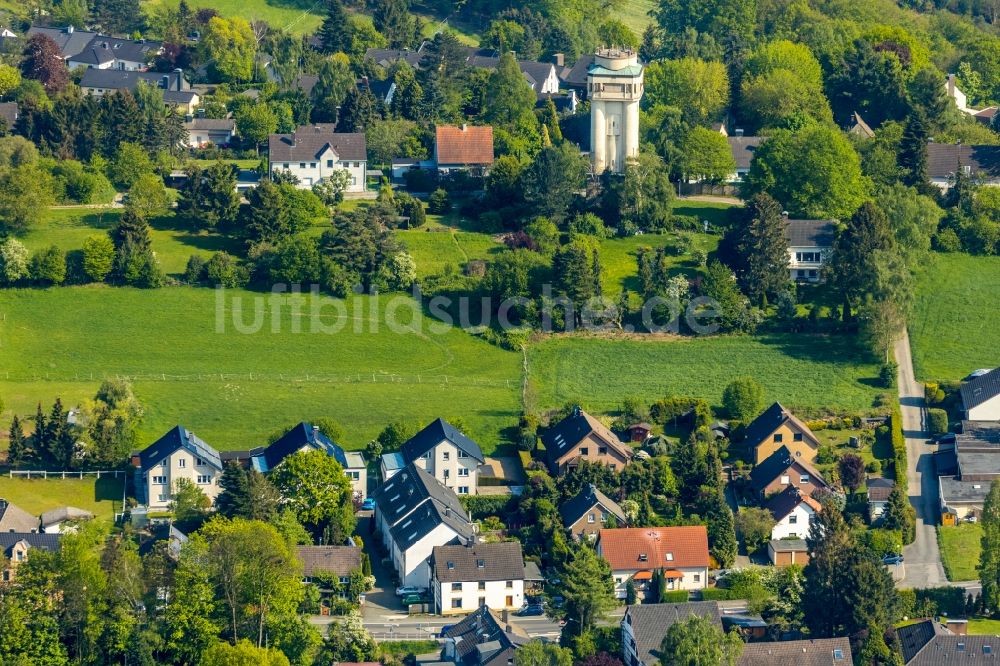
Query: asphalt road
pixel 921 558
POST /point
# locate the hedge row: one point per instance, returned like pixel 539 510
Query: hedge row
pixel 483 506
pixel 715 594
pixel 899 468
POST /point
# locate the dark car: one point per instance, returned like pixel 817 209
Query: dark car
pixel 557 601
pixel 528 611
pixel 892 559
pixel 444 629
pixel 947 438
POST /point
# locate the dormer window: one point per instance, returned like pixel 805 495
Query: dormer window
pixel 643 557
pixel 480 564
pixel 670 557
pixel 451 565
pixel 462 454
pixel 778 437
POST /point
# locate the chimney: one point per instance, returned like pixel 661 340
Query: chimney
pixel 464 127
pixel 784 214
pixel 165 82
pixel 738 131
pixel 559 59
pixel 69 29
pixel 180 78
pixel 577 410
pixel 188 117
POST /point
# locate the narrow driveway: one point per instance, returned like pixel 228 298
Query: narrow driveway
pixel 922 558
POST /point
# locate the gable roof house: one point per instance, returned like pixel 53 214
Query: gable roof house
pixel 15 548
pixel 466 147
pixel 543 77
pixel 815 652
pixel 634 553
pixel 465 577
pixel 307 437
pixel 809 245
pixel 575 77
pixel 69 40
pixel 15 519
pixel 62 519
pixel 414 513
pixel 202 132
pixel 981 397
pixel 313 153
pixel 927 643
pixel 858 127
pixel 879 490
pixel 645 625
pixel 177 92
pixel 580 437
pixel 103 52
pixel 780 470
pixel 743 149
pixel 337 562
pixel 792 512
pixel 981 163
pixel 977 464
pixel 444 452
pixel 775 428
pixel 587 513
pixel 482 639
pixel 179 454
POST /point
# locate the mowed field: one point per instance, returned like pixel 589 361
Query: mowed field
pixel 102 497
pixel 808 373
pixel 634 14
pixel 233 388
pixel 955 327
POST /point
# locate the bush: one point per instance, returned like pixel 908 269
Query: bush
pixel 933 393
pixel 674 597
pixel 941 600
pixel 439 203
pixel 947 240
pixel 48 266
pixel 714 594
pixel 937 421
pixel 195 271
pixel 482 506
pixel 887 375
pixel 874 467
pixel 421 180
pixel 687 222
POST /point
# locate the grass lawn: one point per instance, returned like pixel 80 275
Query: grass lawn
pixel 618 258
pixel 983 626
pixel 811 374
pixel 102 497
pixel 173 242
pixel 955 327
pixel 433 250
pixel 235 389
pixel 960 550
pixel 634 14
pixel 298 17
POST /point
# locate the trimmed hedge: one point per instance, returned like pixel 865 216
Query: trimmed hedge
pixel 715 594
pixel 674 597
pixel 937 421
pixel 898 447
pixel 483 506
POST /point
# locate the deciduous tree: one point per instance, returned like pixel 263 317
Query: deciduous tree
pixel 697 642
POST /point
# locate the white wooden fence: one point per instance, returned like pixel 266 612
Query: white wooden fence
pixel 31 473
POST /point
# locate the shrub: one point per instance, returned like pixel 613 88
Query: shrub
pixel 421 180
pixel 947 240
pixel 937 421
pixel 688 222
pixel 714 594
pixel 674 597
pixel 743 398
pixel 48 266
pixel 933 393
pixel 816 426
pixel 874 467
pixel 98 256
pixel 195 271
pixel 439 203
pixel 482 506
pixel 887 375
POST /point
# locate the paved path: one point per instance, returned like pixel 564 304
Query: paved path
pixel 922 558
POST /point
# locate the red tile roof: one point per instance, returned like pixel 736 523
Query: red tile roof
pixel 623 547
pixel 466 145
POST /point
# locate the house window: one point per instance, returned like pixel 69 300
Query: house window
pixel 20 556
pixel 451 565
pixel 813 274
pixel 159 480
pixel 302 165
pixel 312 165
pixel 604 516
pixel 446 456
pixel 463 490
pixel 199 461
pixel 462 454
pixel 804 478
pixel 482 585
pixel 584 451
pixel 643 557
pixel 427 456
pixel 355 475
pixel 480 564
pixel 602 450
pixel 456 587
pixel 591 518
pixel 447 474
pixel 456 602
pixel 285 165
pixel 697 578
pixel 354 180
pixel 344 580
pixel 785 480
pixel 778 437
pixel 510 585
pixel 463 472
pixel 163 463
pixel 181 462
pixel 161 498
pixel 329 163
pixel 793 519
pixel 204 479
pixel 670 557
pixel 797 437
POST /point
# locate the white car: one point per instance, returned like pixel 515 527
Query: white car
pixel 408 589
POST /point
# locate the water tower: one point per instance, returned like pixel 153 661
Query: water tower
pixel 614 88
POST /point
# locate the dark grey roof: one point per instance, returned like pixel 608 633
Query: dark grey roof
pixel 955 491
pixel 102 49
pixel 577 507
pixel 984 387
pixel 64 513
pixel 816 652
pixel 429 515
pixel 566 434
pixel 650 623
pixel 179 96
pixel 743 148
pixel 775 465
pixel 913 637
pixel 69 40
pixel 944 650
pixel 413 502
pixel 438 431
pixel 977 450
pixel 306 83
pixel 309 142
pixel 114 79
pixel 535 72
pixel 337 560
pixel 879 489
pixel 810 233
pixel 211 124
pixel 178 438
pixel 576 76
pixel 943 159
pixel 15 519
pixel 770 420
pixel 34 540
pixel 9 112
pixel 789 545
pixel 785 502
pixel 302 435
pixel 483 627
pixel 386 57
pixel 478 562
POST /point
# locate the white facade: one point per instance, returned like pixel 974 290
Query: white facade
pixel 411 564
pixel 453 467
pixel 357 472
pixel 795 524
pixel 961 100
pixel 161 479
pixel 805 263
pixel 467 596
pixel 988 410
pixel 693 578
pixel 550 84
pixel 322 166
pixel 614 87
pixel 117 63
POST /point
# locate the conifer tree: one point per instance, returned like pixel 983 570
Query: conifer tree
pixel 16 449
pixel 913 150
pixel 763 250
pixel 335 33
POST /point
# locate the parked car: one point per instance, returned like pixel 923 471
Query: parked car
pixel 411 599
pixel 368 504
pixel 444 629
pixel 557 601
pixel 892 559
pixel 947 438
pixel 406 590
pixel 528 611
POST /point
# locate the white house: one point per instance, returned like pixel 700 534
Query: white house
pixel 179 454
pixel 445 453
pixel 203 132
pixel 634 553
pixel 879 490
pixel 977 162
pixel 313 153
pixel 981 397
pixel 307 437
pixel 390 463
pixel 809 245
pixel 792 513
pixel 91 50
pixel 413 514
pixel 961 99
pixel 464 578
pixel 742 149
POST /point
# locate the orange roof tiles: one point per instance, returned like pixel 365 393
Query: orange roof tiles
pixel 465 145
pixel 663 547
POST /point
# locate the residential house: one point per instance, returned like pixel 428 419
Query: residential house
pixel 815 652
pixel 580 437
pixel 986 116
pixel 307 437
pixel 543 77
pixel 105 52
pixel 781 470
pixel 465 148
pixel 63 519
pixel 413 513
pixel 386 57
pixel 930 643
pixel 879 490
pixel 313 153
pixel 743 149
pixel 778 428
pixel 792 512
pixel 16 547
pixel 785 552
pixel 333 563
pixel 9 112
pixel 809 246
pixel 482 639
pixel 202 132
pixel 977 464
pixel 390 463
pixel 586 514
pixel 945 160
pixel 177 92
pixel 634 553
pixel 575 77
pixel 448 455
pixel 69 40
pixel 565 102
pixel 981 397
pixel 179 454
pixel 960 98
pixel 467 577
pixel 858 127
pixel 15 519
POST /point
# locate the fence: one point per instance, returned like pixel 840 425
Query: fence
pixel 403 636
pixel 63 474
